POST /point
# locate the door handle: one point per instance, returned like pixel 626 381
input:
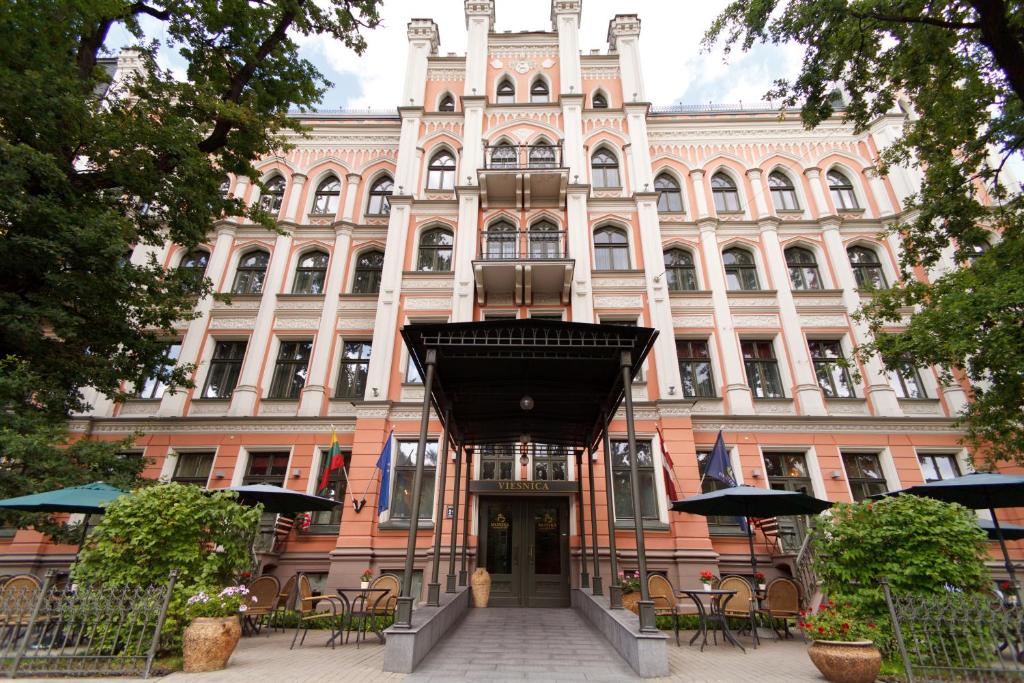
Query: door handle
pixel 529 555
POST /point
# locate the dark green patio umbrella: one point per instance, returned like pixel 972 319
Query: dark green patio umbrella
pixel 751 501
pixel 978 491
pixel 89 499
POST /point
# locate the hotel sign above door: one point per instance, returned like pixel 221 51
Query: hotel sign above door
pixel 524 488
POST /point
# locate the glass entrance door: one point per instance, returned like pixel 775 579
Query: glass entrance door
pixel 547 574
pixel 500 548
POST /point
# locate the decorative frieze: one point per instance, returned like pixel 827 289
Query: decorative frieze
pixel 618 302
pixel 279 407
pixel 766 321
pixel 823 320
pixel 448 72
pixel 428 303
pixel 684 321
pixel 348 323
pixel 209 408
pixel 139 407
pixel 918 407
pixel 774 408
pixel 296 323
pixel 232 323
pixel 847 407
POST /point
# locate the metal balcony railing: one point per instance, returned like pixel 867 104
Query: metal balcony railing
pixel 523 245
pixel 515 157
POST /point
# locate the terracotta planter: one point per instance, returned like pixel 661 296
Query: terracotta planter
pixel 854 662
pixel 630 600
pixel 480 583
pixel 208 643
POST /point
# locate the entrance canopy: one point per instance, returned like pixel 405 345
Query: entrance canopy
pixel 551 381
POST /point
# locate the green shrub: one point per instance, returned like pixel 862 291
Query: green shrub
pixel 206 537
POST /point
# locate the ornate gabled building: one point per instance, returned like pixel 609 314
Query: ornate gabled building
pixel 531 179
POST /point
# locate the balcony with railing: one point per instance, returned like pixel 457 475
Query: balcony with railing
pixel 523 263
pixel 526 176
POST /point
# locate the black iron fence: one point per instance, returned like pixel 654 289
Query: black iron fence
pixel 506 156
pixel 514 245
pixel 62 629
pixel 957 636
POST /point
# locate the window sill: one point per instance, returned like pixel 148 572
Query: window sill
pixel 923 399
pixel 731 213
pixel 138 400
pixel 649 525
pixel 779 399
pixel 766 293
pixel 671 213
pixel 732 533
pixel 328 530
pixel 246 296
pixel 607 188
pixel 403 525
pixel 301 296
pixel 211 399
pixel 277 400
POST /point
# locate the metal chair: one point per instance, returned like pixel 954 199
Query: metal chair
pixel 285 602
pixel 309 612
pixel 264 593
pixel 383 604
pixel 664 598
pixel 782 602
pixel 741 605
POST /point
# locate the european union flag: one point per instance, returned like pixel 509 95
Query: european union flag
pixel 384 465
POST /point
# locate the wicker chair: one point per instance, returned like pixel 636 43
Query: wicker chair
pixel 285 602
pixel 782 603
pixel 310 612
pixel 664 598
pixel 17 597
pixel 264 594
pixel 741 605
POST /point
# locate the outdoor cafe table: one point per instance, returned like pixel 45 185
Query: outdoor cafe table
pixel 713 612
pixel 363 600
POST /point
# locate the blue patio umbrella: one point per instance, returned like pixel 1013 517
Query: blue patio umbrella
pixel 278 499
pixel 1011 532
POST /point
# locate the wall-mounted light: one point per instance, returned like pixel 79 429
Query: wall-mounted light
pixel 835 474
pixel 755 473
pixel 219 474
pixel 376 392
pixel 296 472
pixel 671 390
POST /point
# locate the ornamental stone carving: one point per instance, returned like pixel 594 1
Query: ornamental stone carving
pixel 774 407
pixel 232 323
pixel 921 407
pixel 237 305
pixel 617 302
pixel 209 408
pixel 428 303
pixel 297 323
pixel 139 407
pixel 355 323
pixel 448 73
pixel 618 282
pixel 823 320
pixel 707 407
pixel 546 299
pixel 357 305
pixel 752 301
pixel 598 73
pixel 420 282
pixel 693 321
pixel 770 320
pixel 847 407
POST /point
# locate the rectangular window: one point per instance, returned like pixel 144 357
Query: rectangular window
pixel 716 523
pixel 939 467
pixel 762 369
pixel 833 376
pixel 193 468
pixel 267 468
pixel 336 489
pixel 864 472
pixel 497 461
pixel 622 480
pixel 405 472
pixel 355 365
pixel 906 381
pixel 412 373
pixel 628 323
pixel 695 369
pixel 154 387
pixel 224 369
pixel 290 371
pixel 549 462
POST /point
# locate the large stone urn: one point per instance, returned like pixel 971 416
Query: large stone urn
pixel 858 661
pixel 208 643
pixel 480 583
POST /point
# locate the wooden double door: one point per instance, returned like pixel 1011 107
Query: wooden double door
pixel 524 545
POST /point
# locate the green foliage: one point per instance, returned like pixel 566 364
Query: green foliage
pixel 206 537
pixel 958 67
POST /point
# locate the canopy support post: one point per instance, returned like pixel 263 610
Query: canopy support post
pixel 615 589
pixel 403 608
pixel 450 578
pixel 584 574
pixel 596 587
pixel 434 587
pixel 645 605
pixel 463 574
pixel 1006 555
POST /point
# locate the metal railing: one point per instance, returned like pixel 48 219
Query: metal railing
pixel 957 636
pixel 804 574
pixel 523 245
pixel 70 630
pixel 513 157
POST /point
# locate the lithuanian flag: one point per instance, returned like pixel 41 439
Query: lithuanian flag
pixel 336 461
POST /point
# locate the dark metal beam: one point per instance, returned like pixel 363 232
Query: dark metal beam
pixel 463 575
pixel 596 587
pixel 450 578
pixel 434 587
pixel 584 574
pixel 615 589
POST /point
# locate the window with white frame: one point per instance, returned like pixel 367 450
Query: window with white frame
pixel 193 468
pixel 740 270
pixel 441 171
pixel 725 194
pixel 830 368
pixel 604 170
pixel 864 472
pixel 717 524
pixel 325 199
pixel 311 273
pixel 939 466
pixel 611 249
pixel 290 369
pixel 803 269
pixel 380 197
pixel 354 369
pixel 680 271
pixel 842 191
pixel 670 197
pixel 154 387
pixel 405 472
pixel 695 368
pixel 369 269
pixel 762 368
pixel 622 480
pixel 328 521
pixel 867 268
pixel 251 273
pixel 271 199
pixel 539 92
pixel 906 381
pixel 783 192
pixel 225 366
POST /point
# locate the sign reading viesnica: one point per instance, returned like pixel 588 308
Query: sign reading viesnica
pixel 523 488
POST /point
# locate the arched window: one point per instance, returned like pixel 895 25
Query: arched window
pixel 252 269
pixel 670 197
pixel 225 186
pixel 604 168
pixel 447 103
pixel 272 198
pixel 506 92
pixel 539 91
pixel 740 270
pixel 369 266
pixel 680 272
pixel 435 251
pixel 193 266
pixel 325 201
pixel 867 269
pixel 599 101
pixel 544 240
pixel 842 191
pixel 611 249
pixel 783 192
pixel 311 273
pixel 380 197
pixel 503 155
pixel 441 171
pixel 502 242
pixel 803 268
pixel 723 189
pixel 542 155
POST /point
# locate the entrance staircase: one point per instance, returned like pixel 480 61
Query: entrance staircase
pixel 793 552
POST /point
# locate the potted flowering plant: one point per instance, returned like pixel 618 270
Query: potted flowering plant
pixel 630 582
pixel 706 578
pixel 1009 595
pixel 842 646
pixel 214 627
pixel 759 577
pixel 365 578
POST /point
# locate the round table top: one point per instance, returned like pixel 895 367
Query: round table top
pixel 701 591
pixel 346 590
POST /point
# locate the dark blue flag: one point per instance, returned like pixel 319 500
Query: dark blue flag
pixel 384 465
pixel 718 466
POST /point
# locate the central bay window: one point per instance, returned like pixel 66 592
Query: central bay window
pixel 803 269
pixel 311 273
pixel 355 365
pixel 740 270
pixel 435 253
pixel 447 103
pixel 544 240
pixel 867 269
pixel 506 93
pixel 271 200
pixel 224 369
pixel 622 480
pixel 154 387
pixel 599 101
pixel 325 200
pixel 604 170
pixel 695 368
pixel 611 249
pixel 670 198
pixel 542 155
pixel 290 370
pixel 725 194
pixel 830 369
pixel 405 471
pixel 380 197
pixel 252 270
pixel 193 468
pixel 539 92
pixel 762 369
pixel 680 272
pixel 864 472
pixel 502 241
pixel 369 267
pixel 441 171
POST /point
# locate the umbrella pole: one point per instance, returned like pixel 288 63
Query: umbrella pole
pixel 753 556
pixel 1006 554
pixel 85 530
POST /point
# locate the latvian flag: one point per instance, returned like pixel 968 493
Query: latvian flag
pixel 671 490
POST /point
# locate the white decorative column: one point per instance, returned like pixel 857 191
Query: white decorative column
pixel 317 380
pixel 817 191
pixel 173 405
pixel 243 399
pixel 291 213
pixel 881 394
pixel 423 41
pixel 879 191
pixel 465 252
pixel 697 178
pixel 757 187
pixel 736 390
pixel 479 21
pixel 624 38
pixel 348 209
pixel 807 393
pixel 578 236
pixel 565 21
